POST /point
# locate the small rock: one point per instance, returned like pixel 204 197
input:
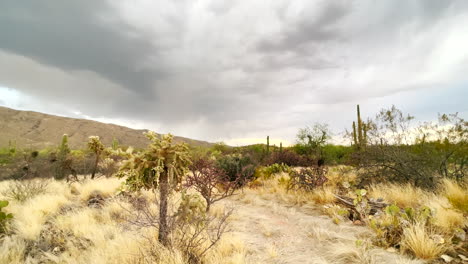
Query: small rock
pixel 56 249
pixel 391 250
pixel 463 257
pixel 446 258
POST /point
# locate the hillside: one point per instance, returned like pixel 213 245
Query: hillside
pixel 37 130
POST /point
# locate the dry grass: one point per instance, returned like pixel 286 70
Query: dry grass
pixel 456 194
pixel 339 174
pixel 106 187
pixel 12 250
pixel 325 195
pixel 446 218
pixel 271 225
pixel 417 239
pixel 230 250
pixel 402 195
pixel 58 227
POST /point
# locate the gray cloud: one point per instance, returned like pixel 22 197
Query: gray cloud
pixel 221 69
pixel 75 36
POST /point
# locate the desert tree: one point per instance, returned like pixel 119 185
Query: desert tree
pixel 312 139
pixel 210 181
pixel 160 166
pixel 96 146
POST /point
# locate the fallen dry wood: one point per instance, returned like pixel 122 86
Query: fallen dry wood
pixel 375 206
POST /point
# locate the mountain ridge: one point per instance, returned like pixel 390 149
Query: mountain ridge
pixel 36 130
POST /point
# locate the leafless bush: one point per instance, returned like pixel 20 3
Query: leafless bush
pixel 211 182
pixel 192 230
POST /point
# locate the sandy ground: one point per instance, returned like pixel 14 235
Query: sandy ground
pixel 277 233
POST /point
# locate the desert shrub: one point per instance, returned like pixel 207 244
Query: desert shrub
pixel 389 227
pixel 238 168
pixel 108 167
pixel 23 190
pixel 336 154
pixel 289 158
pixel 308 178
pixel 277 168
pixel 4 217
pixel 210 181
pixel 193 230
pixel 221 147
pixel 397 151
pixel 267 172
pixel 196 231
pixel 256 152
pixel 62 159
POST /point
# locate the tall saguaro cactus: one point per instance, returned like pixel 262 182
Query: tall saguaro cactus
pixel 281 147
pixel 359 134
pixel 359 124
pixel 268 145
pixel 354 133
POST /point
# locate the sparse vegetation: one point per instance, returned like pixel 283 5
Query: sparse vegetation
pixel 406 184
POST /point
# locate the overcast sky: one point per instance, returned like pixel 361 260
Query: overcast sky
pixel 233 71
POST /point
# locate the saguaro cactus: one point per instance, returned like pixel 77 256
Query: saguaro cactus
pixel 281 147
pixel 359 134
pixel 268 145
pixel 354 134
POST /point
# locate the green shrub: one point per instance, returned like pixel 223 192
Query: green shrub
pixel 238 168
pixel 4 217
pixel 267 172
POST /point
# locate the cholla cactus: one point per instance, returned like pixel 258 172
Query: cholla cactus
pixel 162 165
pixel 96 146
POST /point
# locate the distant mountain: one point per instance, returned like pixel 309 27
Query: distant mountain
pixel 37 130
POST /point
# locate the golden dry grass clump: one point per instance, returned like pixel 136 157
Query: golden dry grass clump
pixel 456 194
pixel 58 226
pixel 418 239
pixel 402 195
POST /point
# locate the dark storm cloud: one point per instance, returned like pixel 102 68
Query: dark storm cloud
pixel 314 24
pixel 212 68
pixel 72 35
